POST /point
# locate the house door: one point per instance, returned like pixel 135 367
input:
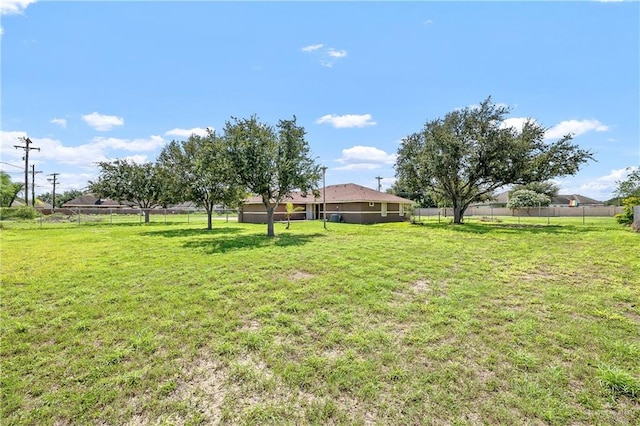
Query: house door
pixel 309 211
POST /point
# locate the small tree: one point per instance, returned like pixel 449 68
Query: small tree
pixel 526 198
pixel 547 188
pixel 271 163
pixel 129 183
pixel 199 170
pixel 291 210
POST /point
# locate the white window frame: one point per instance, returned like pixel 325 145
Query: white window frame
pixel 383 209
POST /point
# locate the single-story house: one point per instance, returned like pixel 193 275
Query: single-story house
pixel 91 201
pixel 562 200
pixel 346 202
pixel 574 200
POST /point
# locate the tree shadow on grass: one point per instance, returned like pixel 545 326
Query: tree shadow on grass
pixel 223 244
pixel 222 240
pixel 191 232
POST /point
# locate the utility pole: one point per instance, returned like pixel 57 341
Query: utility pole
pixel 54 181
pixel 324 197
pixel 33 184
pixel 379 185
pixel 26 148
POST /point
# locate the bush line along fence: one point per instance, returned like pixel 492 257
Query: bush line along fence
pixel 580 211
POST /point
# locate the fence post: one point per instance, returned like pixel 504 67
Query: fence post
pixel 78 215
pixel 583 215
pixel 165 216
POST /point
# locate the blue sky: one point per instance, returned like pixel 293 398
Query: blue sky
pixel 91 81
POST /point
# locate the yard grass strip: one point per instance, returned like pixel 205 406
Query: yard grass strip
pixel 489 322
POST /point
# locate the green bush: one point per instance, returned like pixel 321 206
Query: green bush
pixel 626 217
pixel 22 212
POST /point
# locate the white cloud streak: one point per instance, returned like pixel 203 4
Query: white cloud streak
pixel 575 127
pixel 312 47
pixel 347 120
pixel 185 133
pixel 364 158
pixel 327 56
pixel 102 122
pixel 14 7
pixel 62 122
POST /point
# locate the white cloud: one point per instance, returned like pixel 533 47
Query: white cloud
pixel 333 53
pixel 428 21
pixel 102 122
pixel 364 158
pixel 185 133
pixel 327 56
pixel 600 188
pixel 576 127
pixel 1 31
pixel 347 120
pixel 14 7
pixel 515 122
pixel 62 122
pixel 135 145
pixel 312 47
pixel 85 155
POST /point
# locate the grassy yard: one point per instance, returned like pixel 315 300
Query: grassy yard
pixel 486 323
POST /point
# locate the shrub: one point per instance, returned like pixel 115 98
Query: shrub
pixel 22 212
pixel 626 217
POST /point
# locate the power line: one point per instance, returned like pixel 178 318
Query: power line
pixel 26 148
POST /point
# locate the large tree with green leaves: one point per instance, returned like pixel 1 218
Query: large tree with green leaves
pixel 199 170
pixel 8 190
pixel 271 162
pixel 130 183
pixel 467 155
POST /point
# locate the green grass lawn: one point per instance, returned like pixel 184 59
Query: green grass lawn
pixel 485 323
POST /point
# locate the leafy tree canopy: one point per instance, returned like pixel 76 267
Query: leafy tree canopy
pixel 630 187
pixel 8 189
pixel 129 183
pixel 199 170
pixel 526 198
pixel 547 188
pixel 465 156
pixel 271 162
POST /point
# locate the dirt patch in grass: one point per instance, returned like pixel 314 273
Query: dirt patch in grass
pixel 300 275
pixel 420 286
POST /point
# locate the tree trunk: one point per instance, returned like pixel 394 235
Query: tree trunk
pixel 458 212
pixel 270 232
pixel 146 215
pixel 209 219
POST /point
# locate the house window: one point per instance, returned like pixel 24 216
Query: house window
pixel 383 210
pixel 371 204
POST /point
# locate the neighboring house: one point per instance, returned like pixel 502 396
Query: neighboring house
pixel 348 202
pixel 91 201
pixel 574 200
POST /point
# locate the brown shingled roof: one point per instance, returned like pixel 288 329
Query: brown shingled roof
pixel 341 193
